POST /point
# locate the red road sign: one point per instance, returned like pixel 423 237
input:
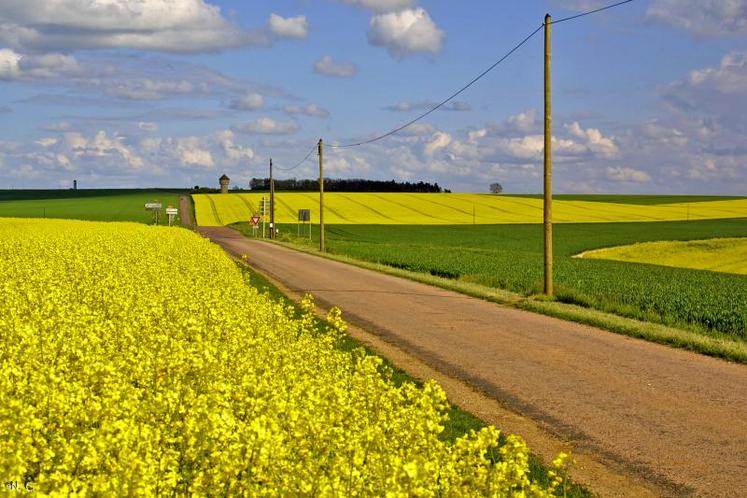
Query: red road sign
pixel 255 220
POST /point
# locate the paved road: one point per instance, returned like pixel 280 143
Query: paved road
pixel 675 418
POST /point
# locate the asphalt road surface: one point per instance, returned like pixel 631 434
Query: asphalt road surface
pixel 675 419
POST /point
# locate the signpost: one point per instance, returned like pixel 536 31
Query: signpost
pixel 171 212
pixel 155 207
pixel 304 216
pixel 263 213
pixel 255 224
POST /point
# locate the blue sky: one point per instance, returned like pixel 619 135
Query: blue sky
pixel 649 97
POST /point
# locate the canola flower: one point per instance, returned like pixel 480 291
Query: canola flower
pixel 359 208
pixel 137 361
pixel 727 255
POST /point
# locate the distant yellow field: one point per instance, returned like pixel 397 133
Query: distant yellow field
pixel 723 255
pixel 448 209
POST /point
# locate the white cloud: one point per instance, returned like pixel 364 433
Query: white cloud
pixel 598 144
pixel 438 141
pixel 311 110
pixel 289 27
pixel 627 174
pixel 327 66
pixel 233 151
pixel 719 93
pixel 406 32
pixel 248 102
pixel 165 25
pixel 147 126
pixel 10 68
pixel 59 126
pixel 149 89
pixel 709 18
pixel 268 126
pixel 101 145
pixel 47 142
pixel 524 122
pixel 16 66
pixel 192 152
pixel 109 158
pixel 381 5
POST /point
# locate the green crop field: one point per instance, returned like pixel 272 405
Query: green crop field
pixel 95 205
pixel 463 209
pixel 510 257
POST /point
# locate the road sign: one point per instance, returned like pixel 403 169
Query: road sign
pixel 255 220
pixel 172 212
pixel 154 207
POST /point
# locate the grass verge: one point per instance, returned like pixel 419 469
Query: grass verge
pixel 715 344
pixel 459 423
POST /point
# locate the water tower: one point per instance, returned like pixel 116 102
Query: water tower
pixel 224 182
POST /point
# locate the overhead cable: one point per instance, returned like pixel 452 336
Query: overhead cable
pixel 447 100
pixel 299 163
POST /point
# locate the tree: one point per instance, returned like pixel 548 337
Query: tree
pixel 496 188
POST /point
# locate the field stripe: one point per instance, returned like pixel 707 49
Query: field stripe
pixel 214 209
pixel 327 208
pixel 421 213
pixel 365 206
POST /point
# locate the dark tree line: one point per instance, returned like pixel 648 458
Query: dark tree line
pixel 343 185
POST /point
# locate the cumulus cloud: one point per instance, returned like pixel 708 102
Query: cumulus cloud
pixel 249 101
pixel 524 122
pixel 598 144
pixel 164 25
pixel 381 5
pixel 268 126
pixel 102 145
pixel 627 174
pixel 707 18
pixel 16 66
pixel 406 106
pixel 406 32
pixel 718 92
pixel 327 66
pixel 438 141
pixel 311 110
pixel 110 158
pixel 288 27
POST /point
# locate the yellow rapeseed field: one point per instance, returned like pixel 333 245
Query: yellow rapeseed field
pixel 728 255
pixel 448 209
pixel 136 361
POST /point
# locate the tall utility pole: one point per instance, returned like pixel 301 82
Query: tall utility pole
pixel 321 195
pixel 548 156
pixel 272 203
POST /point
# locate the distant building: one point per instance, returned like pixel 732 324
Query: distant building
pixel 75 184
pixel 224 182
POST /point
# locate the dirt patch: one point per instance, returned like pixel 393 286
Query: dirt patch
pixel 185 211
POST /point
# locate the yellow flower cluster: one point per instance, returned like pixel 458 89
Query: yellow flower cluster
pixel 137 361
pixel 356 208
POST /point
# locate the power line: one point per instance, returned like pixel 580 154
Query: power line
pixel 570 18
pixel 476 79
pixel 299 163
pixel 447 100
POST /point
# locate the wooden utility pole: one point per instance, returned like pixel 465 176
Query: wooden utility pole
pixel 321 195
pixel 272 203
pixel 548 156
